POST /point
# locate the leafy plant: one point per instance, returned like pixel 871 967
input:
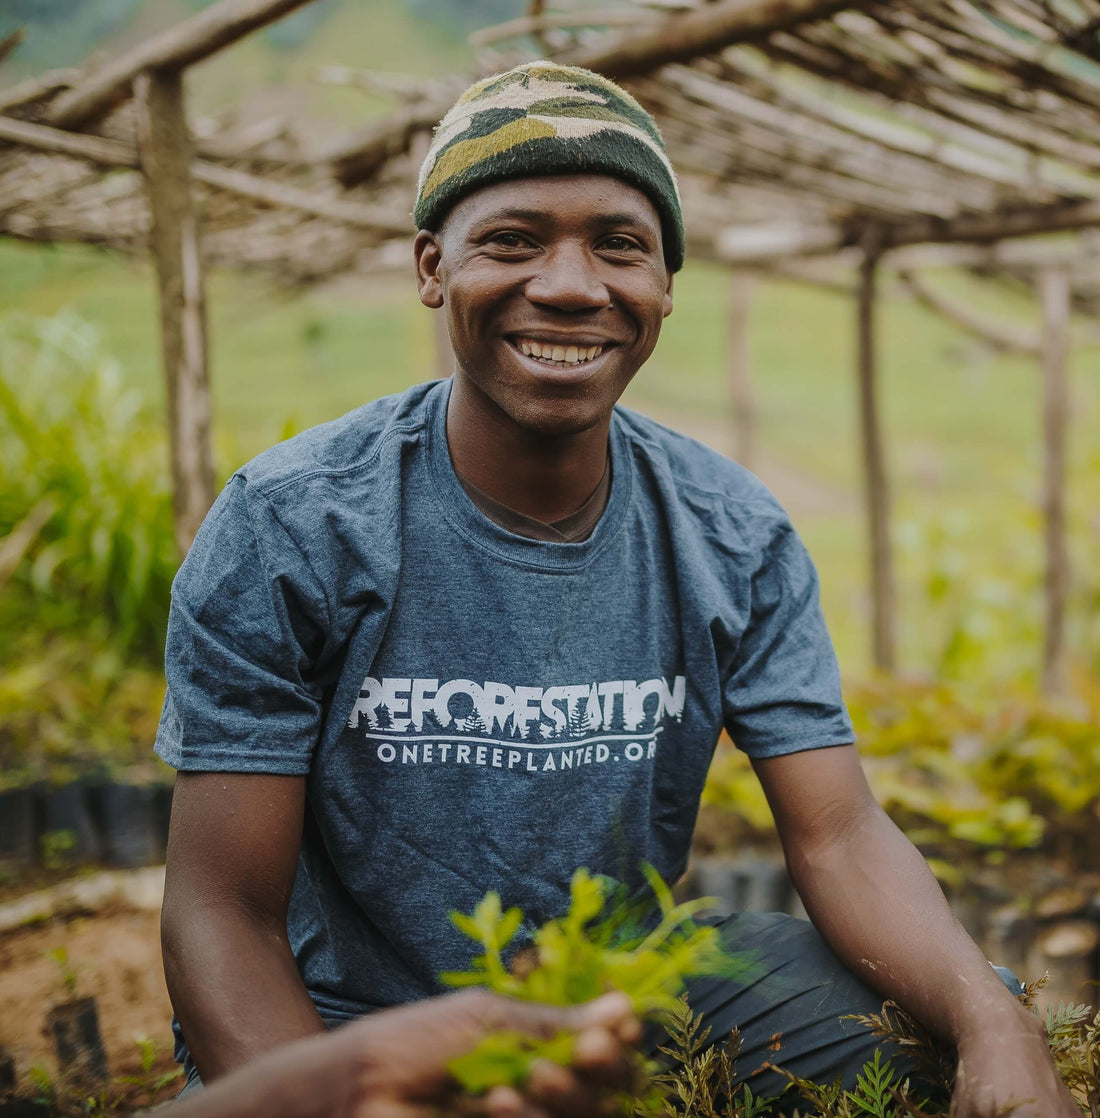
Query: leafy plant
pixel 56 848
pixel 60 957
pixel 85 508
pixel 967 775
pixel 590 950
pixel 148 1080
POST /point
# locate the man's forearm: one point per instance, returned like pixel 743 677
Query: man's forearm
pixel 873 898
pixel 234 987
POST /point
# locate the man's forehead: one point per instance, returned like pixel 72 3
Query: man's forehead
pixel 597 199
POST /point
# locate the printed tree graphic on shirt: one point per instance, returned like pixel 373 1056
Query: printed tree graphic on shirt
pixel 536 732
pixel 578 720
pixel 618 720
pixel 474 723
pixel 382 719
pixel 431 723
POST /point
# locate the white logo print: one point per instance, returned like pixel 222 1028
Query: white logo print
pixel 535 729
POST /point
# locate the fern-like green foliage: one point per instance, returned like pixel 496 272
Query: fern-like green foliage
pixel 594 948
pixel 700 1082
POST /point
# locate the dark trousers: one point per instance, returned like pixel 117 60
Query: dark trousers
pixel 791 1010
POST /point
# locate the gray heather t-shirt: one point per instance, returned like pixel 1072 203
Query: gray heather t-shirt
pixel 473 709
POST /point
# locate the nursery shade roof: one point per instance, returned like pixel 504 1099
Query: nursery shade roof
pixel 797 126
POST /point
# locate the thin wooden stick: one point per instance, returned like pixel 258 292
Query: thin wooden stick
pixel 877 495
pixel 1003 336
pixel 1054 295
pixel 186 43
pixel 33 89
pixel 704 30
pixel 268 192
pixel 10 42
pixel 545 21
pixel 740 370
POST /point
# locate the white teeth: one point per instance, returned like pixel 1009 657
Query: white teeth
pixel 558 354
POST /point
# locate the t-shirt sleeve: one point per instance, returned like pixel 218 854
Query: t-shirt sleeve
pixel 783 694
pixel 245 630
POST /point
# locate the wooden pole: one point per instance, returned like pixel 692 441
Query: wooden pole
pixel 182 45
pixel 165 157
pixel 1054 295
pixel 874 469
pixel 741 391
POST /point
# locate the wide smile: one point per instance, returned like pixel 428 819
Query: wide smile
pixel 559 356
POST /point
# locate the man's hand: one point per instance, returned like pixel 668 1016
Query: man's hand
pixel 406 1052
pixel 393 1064
pixel 1006 1072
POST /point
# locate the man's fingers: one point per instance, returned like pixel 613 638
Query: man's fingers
pixel 505 1102
pixel 613 1012
pixel 561 1092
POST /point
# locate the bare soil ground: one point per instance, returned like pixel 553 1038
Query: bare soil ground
pixel 114 956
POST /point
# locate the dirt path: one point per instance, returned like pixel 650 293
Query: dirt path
pixel 115 955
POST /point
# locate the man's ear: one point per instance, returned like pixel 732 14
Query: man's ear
pixel 428 256
pixel 668 297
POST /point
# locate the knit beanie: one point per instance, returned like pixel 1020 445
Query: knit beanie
pixel 544 119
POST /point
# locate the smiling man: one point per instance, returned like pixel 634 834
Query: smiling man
pixel 482 633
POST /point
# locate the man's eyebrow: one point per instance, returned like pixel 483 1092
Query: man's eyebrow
pixel 513 213
pixel 517 214
pixel 622 219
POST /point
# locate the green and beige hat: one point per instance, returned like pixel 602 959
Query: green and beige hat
pixel 544 119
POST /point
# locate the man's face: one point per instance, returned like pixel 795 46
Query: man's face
pixel 555 289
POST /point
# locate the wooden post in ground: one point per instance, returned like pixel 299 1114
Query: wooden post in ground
pixel 744 403
pixel 877 495
pixel 165 159
pixel 1054 295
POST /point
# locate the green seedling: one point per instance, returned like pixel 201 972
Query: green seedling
pixel 594 948
pixel 148 1049
pixel 60 957
pixel 57 848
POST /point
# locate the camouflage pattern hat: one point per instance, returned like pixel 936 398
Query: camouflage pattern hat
pixel 544 119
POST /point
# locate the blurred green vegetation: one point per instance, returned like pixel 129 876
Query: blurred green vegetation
pixel 967 773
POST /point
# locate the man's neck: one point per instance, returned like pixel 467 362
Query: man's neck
pixel 546 477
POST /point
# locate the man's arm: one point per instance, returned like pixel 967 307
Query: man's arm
pixel 873 898
pixel 232 855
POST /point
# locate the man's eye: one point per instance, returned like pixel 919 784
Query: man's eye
pixel 509 240
pixel 620 244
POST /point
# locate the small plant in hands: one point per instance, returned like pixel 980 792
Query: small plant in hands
pixel 600 944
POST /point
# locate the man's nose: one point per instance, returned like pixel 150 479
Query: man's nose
pixel 568 279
